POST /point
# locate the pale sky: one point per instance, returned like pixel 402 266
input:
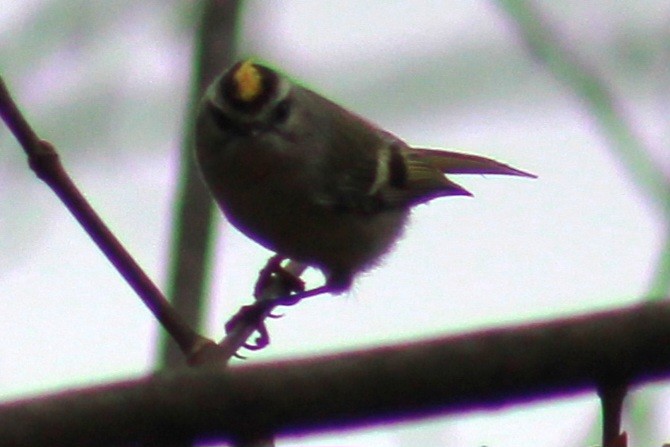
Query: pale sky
pixel 108 87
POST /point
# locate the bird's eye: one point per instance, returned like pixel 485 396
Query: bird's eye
pixel 282 111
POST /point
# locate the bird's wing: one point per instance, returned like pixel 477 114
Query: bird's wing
pixel 394 175
pixel 424 174
pixel 413 180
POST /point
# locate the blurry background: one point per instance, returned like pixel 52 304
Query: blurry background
pixel 108 84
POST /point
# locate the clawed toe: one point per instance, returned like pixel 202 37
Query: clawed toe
pixel 261 341
pixel 273 271
pixel 253 316
pixel 250 315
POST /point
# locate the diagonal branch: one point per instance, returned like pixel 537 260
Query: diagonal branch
pixel 45 162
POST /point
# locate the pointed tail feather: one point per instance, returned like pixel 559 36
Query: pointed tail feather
pixel 458 163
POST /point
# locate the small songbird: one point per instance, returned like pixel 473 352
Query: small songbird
pixel 311 180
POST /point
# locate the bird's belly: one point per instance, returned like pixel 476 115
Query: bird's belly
pixel 333 240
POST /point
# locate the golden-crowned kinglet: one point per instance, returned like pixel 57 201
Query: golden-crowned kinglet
pixel 311 180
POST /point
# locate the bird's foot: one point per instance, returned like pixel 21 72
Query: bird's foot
pixel 276 286
pixel 251 315
pixel 272 273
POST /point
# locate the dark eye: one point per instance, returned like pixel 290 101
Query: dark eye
pixel 282 111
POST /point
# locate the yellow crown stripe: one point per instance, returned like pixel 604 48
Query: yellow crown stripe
pixel 248 80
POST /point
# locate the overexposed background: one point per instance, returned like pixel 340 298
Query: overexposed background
pixel 108 82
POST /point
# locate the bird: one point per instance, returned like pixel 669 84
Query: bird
pixel 312 181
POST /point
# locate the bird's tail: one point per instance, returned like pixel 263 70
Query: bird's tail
pixel 457 163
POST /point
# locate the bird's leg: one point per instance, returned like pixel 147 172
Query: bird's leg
pixel 254 314
pixel 273 275
pixel 276 286
pixel 295 298
pixel 273 271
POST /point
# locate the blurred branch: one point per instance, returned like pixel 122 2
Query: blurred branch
pixel 480 370
pixel 544 43
pixel 215 50
pixel 45 162
pixel 193 228
pixel 660 283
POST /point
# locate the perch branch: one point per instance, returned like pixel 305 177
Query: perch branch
pixel 482 370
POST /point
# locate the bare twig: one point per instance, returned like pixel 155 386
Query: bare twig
pixel 660 282
pixel 44 161
pixel 486 369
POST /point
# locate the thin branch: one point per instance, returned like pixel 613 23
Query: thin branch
pixel 45 162
pixel 543 42
pixel 660 283
pixel 194 233
pixel 481 370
